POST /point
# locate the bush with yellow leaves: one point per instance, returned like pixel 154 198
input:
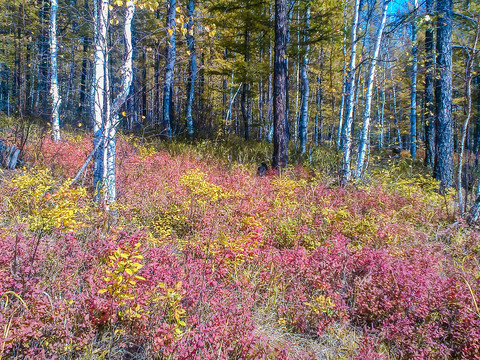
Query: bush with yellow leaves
pixel 45 204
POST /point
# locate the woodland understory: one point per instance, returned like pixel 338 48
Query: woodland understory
pixel 200 258
pixel 136 222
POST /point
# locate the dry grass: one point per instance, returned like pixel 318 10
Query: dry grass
pixel 339 341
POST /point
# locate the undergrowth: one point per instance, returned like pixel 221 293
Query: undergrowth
pixel 202 259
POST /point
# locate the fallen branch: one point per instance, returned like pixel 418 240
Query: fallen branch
pixel 85 164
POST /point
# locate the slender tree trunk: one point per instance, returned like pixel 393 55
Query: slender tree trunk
pixel 157 116
pixel 319 104
pixel 382 111
pixel 413 92
pixel 100 84
pixel 280 138
pixel 245 97
pixel 429 86
pixel 169 68
pixel 364 139
pixel 243 105
pixel 303 126
pixel 144 86
pixel 468 98
pixel 113 118
pixel 270 94
pixel 344 79
pixel 287 62
pixel 443 92
pixel 54 69
pixel 350 97
pixel 396 115
pixel 43 83
pixel 83 77
pixel 192 71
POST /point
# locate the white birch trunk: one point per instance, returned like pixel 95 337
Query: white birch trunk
pixel 100 89
pixel 344 78
pixel 350 97
pixel 364 139
pixel 54 75
pixel 113 119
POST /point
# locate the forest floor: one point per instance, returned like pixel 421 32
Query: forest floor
pixel 202 259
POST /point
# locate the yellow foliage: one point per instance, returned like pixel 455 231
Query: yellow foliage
pixel 202 190
pixel 44 204
pixel 171 299
pixel 121 272
pixel 321 305
pixel 286 186
pixel 168 221
pixel 423 187
pixel 146 151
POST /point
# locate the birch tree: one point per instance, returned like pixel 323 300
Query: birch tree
pixel 55 96
pixel 101 106
pixel 364 138
pixel 106 114
pixel 350 96
pixel 344 71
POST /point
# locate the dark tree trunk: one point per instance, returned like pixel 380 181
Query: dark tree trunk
pixel 169 68
pixel 157 117
pixel 201 90
pixel 443 91
pixel 192 73
pixel 82 104
pixel 303 126
pixel 413 93
pixel 83 77
pixel 44 54
pixel 245 111
pixel 245 98
pixel 429 84
pixel 280 139
pixel 476 135
pixel 144 86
